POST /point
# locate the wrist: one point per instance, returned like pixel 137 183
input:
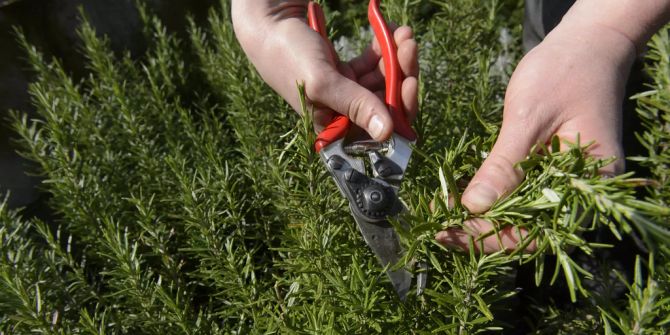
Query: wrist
pixel 597 41
pixel 636 20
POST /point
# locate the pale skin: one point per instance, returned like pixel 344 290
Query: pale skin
pixel 571 83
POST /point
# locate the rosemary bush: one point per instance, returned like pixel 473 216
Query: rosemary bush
pixel 188 198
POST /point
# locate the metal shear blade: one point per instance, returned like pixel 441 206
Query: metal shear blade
pixel 372 199
pixel 383 240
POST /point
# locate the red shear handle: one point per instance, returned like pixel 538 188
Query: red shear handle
pixel 393 72
pixel 338 127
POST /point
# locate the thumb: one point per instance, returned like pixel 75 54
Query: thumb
pixel 498 175
pixel 347 97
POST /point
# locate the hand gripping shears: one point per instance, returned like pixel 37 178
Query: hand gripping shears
pixel 372 199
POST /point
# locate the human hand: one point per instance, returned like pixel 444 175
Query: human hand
pixel 570 85
pixel 285 51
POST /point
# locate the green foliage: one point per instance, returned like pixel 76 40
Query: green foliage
pixel 189 198
pixel 653 107
pixel 647 309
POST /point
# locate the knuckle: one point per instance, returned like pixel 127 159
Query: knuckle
pixel 520 113
pixel 531 119
pixel 355 110
pixel 528 107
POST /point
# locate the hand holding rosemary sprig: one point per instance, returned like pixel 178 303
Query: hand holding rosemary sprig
pixel 570 85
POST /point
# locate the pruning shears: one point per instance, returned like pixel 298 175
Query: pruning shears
pixel 373 199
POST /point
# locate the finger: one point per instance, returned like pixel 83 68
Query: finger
pixel 373 80
pixel 486 238
pixel 406 52
pixel 347 71
pixel 410 100
pixel 408 58
pixel 401 33
pixel 331 89
pixel 366 61
pixel 369 59
pixel 498 175
pixel 393 27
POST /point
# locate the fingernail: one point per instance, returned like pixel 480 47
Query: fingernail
pixel 480 198
pixel 376 126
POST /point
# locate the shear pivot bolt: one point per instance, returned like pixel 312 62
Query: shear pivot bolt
pixel 374 199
